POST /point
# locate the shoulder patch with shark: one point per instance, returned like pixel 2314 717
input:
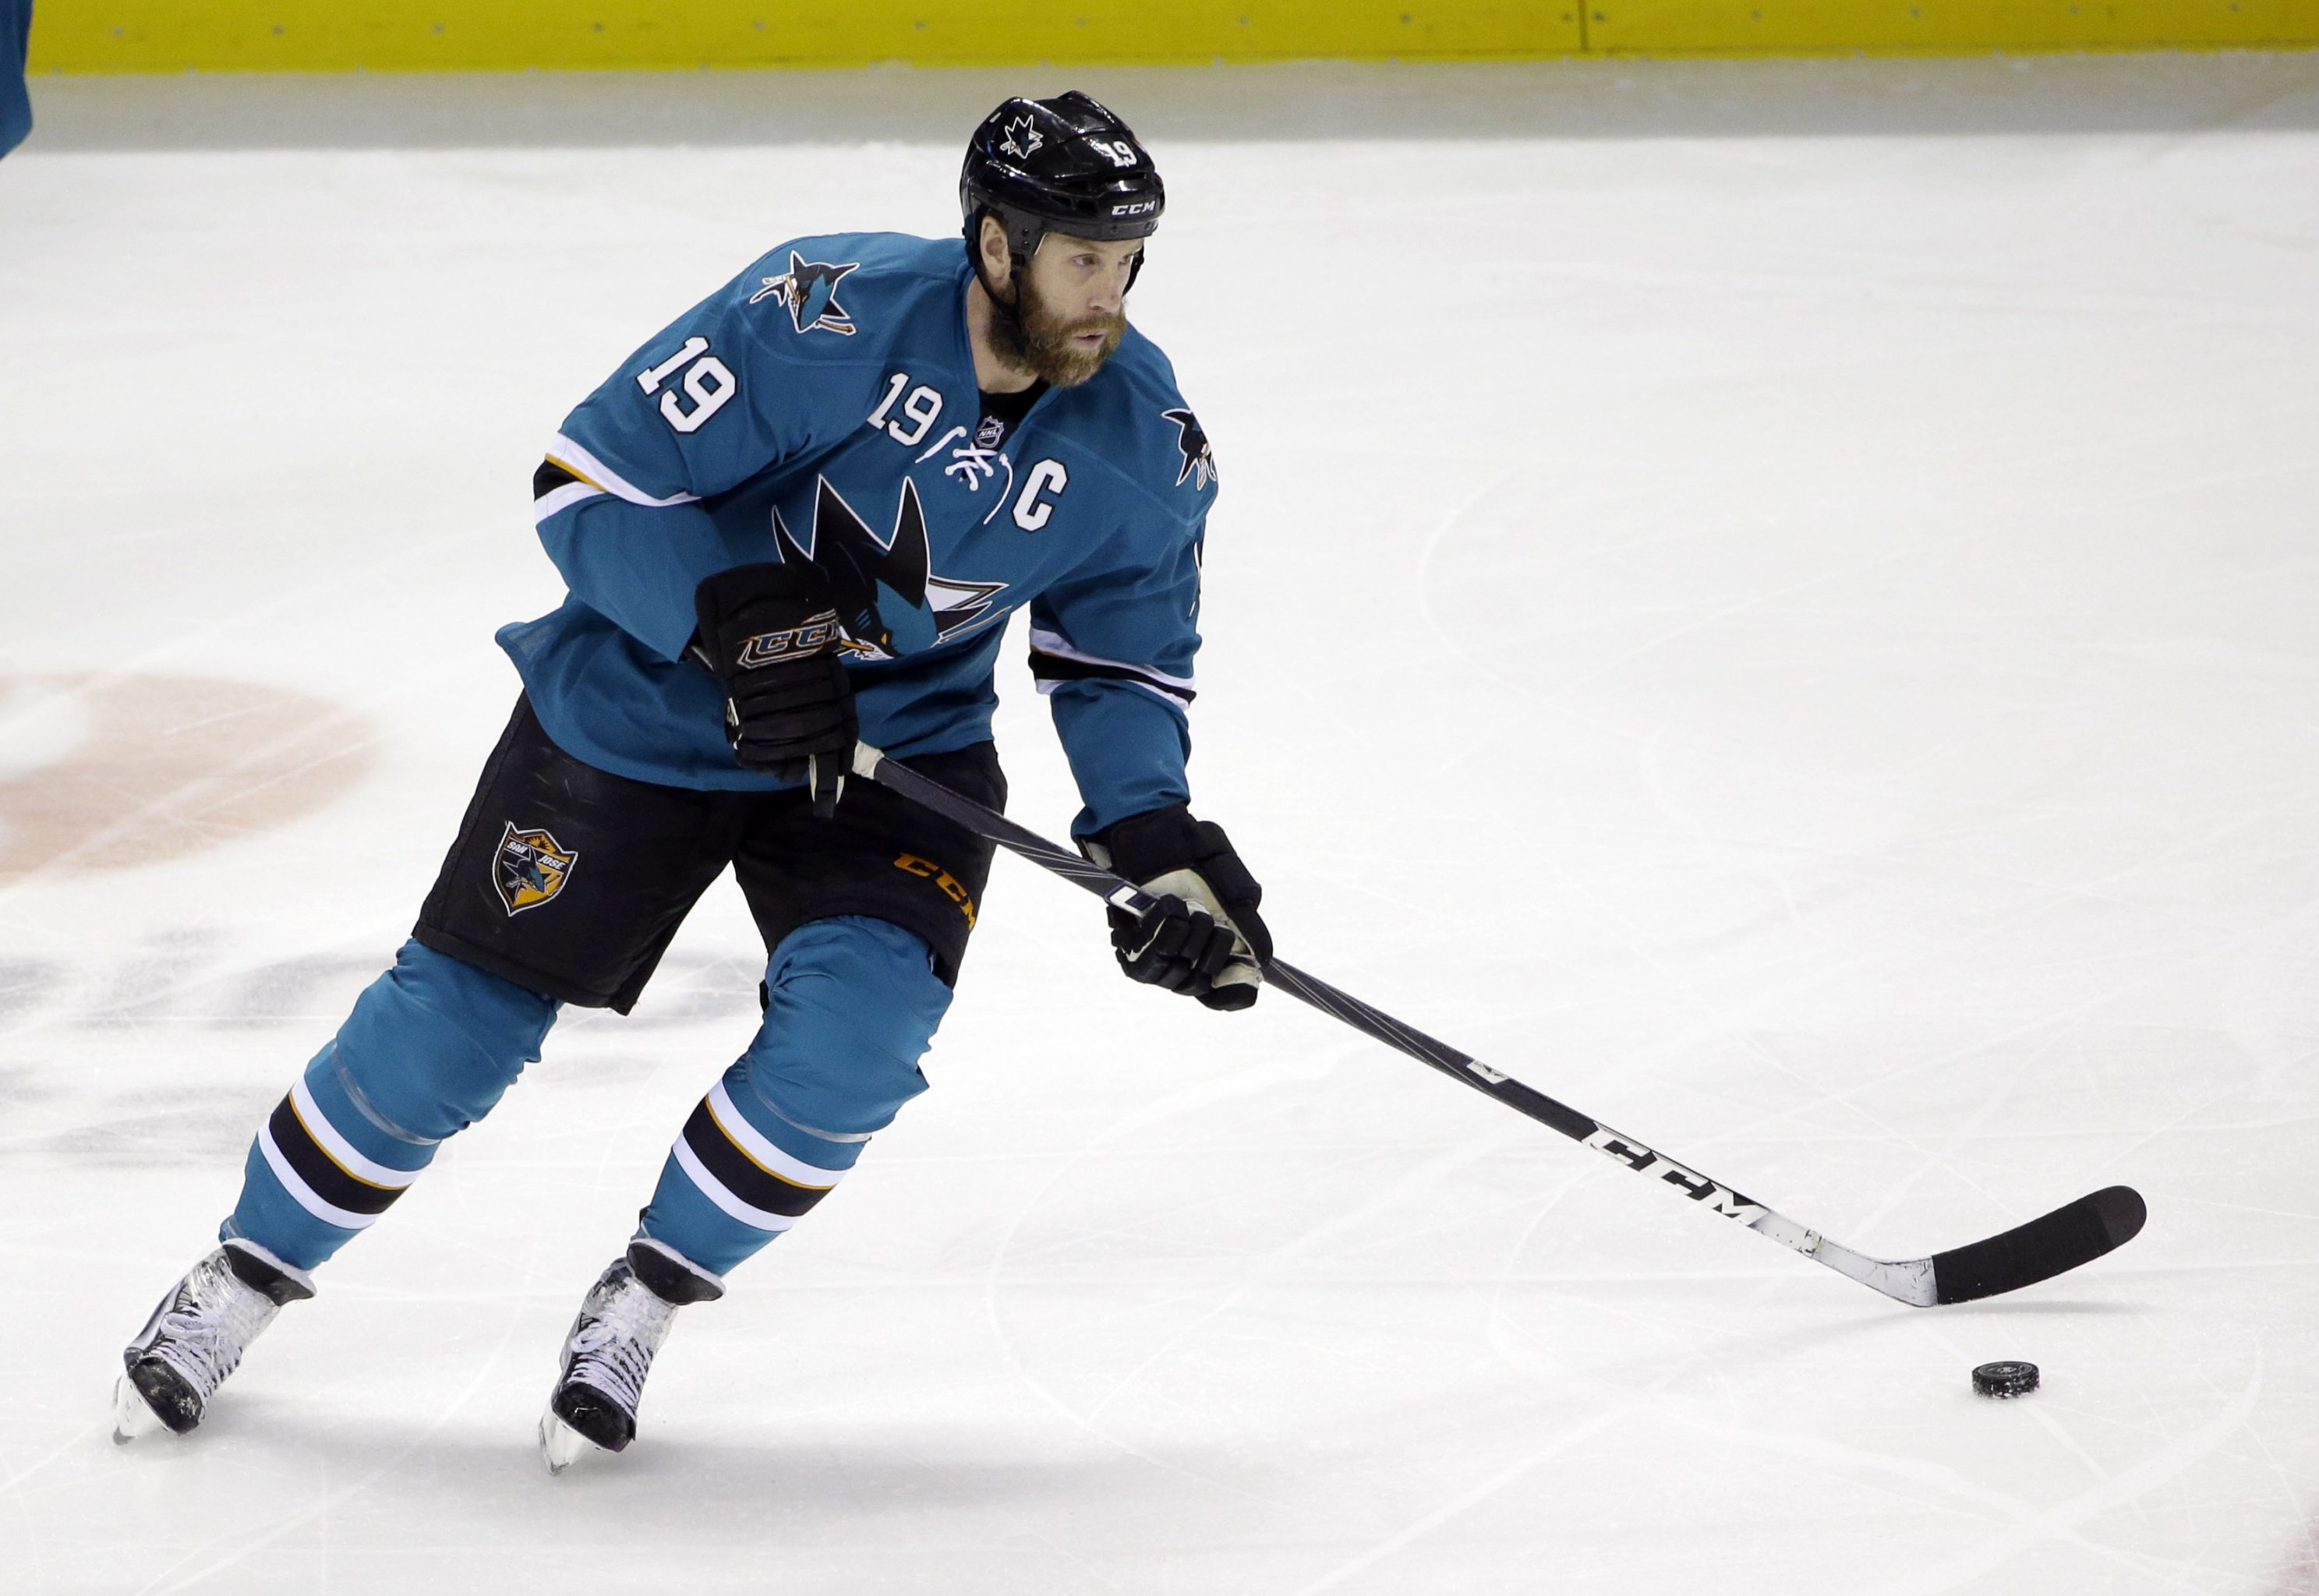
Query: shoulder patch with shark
pixel 1199 460
pixel 808 290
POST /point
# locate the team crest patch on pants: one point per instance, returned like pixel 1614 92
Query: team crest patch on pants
pixel 530 868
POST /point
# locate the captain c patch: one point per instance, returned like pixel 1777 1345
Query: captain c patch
pixel 530 867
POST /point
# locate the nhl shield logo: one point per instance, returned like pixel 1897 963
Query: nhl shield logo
pixel 530 868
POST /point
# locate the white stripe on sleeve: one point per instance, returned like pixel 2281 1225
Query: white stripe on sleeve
pixel 564 497
pixel 580 463
pixel 1053 643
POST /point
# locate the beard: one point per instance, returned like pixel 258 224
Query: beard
pixel 1032 335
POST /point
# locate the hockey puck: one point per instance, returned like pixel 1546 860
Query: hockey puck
pixel 2005 1379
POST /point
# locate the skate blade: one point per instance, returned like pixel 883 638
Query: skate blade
pixel 132 1418
pixel 560 1445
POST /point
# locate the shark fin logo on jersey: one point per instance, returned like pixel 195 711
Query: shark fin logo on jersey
pixel 1022 139
pixel 530 867
pixel 888 602
pixel 809 291
pixel 1199 459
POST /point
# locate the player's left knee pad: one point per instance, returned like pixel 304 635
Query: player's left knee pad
pixel 430 1048
pixel 850 1005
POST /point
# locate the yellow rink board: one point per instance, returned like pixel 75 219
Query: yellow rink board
pixel 1898 27
pixel 486 35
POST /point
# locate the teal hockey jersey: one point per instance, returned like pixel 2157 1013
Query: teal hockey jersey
pixel 823 407
pixel 15 103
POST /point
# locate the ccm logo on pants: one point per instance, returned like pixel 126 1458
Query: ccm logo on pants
pixel 951 888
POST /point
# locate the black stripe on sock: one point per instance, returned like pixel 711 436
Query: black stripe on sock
pixel 742 1175
pixel 320 1171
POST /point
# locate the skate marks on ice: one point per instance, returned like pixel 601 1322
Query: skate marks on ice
pixel 197 979
pixel 169 1052
pixel 101 773
pixel 239 1544
pixel 2113 1468
pixel 371 1484
pixel 2298 1574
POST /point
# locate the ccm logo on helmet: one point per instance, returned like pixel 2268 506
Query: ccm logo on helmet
pixel 1139 208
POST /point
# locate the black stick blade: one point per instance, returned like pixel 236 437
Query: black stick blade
pixel 2075 1233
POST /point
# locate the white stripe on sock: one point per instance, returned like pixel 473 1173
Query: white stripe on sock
pixel 752 1140
pixel 714 1189
pixel 330 1214
pixel 342 1151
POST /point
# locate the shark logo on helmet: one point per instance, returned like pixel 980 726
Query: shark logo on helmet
pixel 1022 140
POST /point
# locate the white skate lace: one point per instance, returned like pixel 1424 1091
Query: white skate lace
pixel 612 1347
pixel 210 1325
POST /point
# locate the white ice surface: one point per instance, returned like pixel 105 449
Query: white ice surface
pixel 1787 618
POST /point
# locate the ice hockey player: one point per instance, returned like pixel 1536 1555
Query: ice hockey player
pixel 800 513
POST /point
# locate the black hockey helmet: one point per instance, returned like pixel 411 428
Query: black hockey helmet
pixel 1066 164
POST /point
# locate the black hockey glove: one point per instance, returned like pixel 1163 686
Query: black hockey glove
pixel 769 635
pixel 1204 938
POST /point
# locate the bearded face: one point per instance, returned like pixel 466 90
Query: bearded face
pixel 1038 336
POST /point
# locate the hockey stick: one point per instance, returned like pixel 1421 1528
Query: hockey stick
pixel 2075 1233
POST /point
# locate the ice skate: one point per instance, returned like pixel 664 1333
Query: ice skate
pixel 197 1335
pixel 608 1350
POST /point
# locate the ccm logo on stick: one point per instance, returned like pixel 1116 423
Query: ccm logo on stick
pixel 1644 1161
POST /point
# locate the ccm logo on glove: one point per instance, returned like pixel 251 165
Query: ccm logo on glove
pixel 768 633
pixel 771 648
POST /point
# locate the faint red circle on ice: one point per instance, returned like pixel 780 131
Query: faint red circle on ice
pixel 107 773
